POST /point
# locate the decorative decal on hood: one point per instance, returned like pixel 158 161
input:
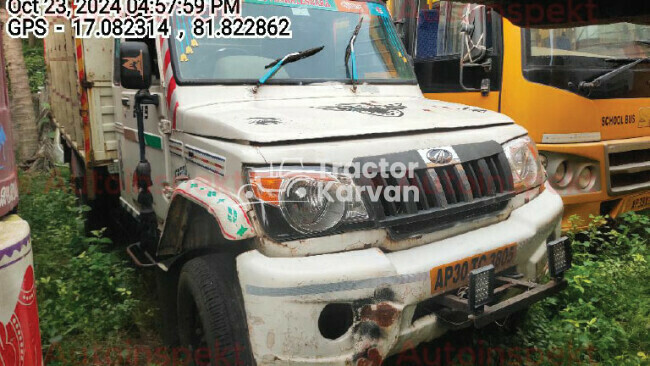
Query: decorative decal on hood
pixel 463 108
pixel 380 110
pixel 263 121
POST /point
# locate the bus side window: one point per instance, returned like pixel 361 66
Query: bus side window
pixel 427 31
pixel 438 30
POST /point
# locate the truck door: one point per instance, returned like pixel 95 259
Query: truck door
pixel 128 144
pixel 456 49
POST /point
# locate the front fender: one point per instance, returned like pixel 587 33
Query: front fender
pixel 227 210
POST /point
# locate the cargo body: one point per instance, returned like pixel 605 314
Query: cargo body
pixel 253 191
pixel 80 85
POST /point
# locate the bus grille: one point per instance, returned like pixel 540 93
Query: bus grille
pixel 629 168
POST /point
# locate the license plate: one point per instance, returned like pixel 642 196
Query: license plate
pixel 639 203
pixel 455 275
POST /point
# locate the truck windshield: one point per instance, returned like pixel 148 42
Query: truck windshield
pixel 380 57
pixel 565 57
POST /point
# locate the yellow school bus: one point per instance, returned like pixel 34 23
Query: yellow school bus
pixel 583 93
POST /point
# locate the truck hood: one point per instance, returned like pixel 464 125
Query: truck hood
pixel 270 121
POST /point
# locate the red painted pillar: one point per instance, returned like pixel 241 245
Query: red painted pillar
pixel 20 337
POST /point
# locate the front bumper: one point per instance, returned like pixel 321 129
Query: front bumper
pixel 284 297
pixel 621 184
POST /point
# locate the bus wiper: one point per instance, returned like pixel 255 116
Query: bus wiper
pixel 349 53
pixel 588 86
pixel 279 63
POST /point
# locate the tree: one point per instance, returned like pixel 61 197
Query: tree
pixel 22 104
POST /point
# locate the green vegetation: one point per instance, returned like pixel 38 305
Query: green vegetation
pixel 606 308
pixel 35 63
pixel 86 290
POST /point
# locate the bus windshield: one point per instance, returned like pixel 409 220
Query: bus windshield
pixel 621 40
pixel 566 58
pixel 379 54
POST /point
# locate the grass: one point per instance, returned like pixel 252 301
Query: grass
pixel 606 307
pixel 95 308
pixel 605 311
pixel 87 292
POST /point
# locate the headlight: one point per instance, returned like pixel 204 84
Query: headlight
pixel 310 201
pixel 523 157
pixel 561 174
pixel 571 174
pixel 586 178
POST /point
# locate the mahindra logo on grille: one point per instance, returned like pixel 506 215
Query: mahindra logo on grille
pixel 440 156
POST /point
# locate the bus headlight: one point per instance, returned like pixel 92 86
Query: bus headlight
pixel 572 174
pixel 525 164
pixel 586 178
pixel 560 174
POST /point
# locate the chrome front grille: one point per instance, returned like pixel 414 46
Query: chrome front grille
pixel 629 168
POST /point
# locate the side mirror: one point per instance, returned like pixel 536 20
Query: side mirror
pixel 135 65
pixel 473 35
pixel 475 65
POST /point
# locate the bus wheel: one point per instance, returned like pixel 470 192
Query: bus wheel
pixel 211 319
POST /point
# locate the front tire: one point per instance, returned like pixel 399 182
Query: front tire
pixel 211 317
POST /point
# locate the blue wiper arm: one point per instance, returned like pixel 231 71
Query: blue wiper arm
pixel 349 54
pixel 279 63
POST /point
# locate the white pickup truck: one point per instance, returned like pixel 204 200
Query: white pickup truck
pixel 301 200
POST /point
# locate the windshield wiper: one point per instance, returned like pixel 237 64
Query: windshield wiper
pixel 349 53
pixel 279 63
pixel 598 82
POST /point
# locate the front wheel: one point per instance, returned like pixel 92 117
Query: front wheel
pixel 211 318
